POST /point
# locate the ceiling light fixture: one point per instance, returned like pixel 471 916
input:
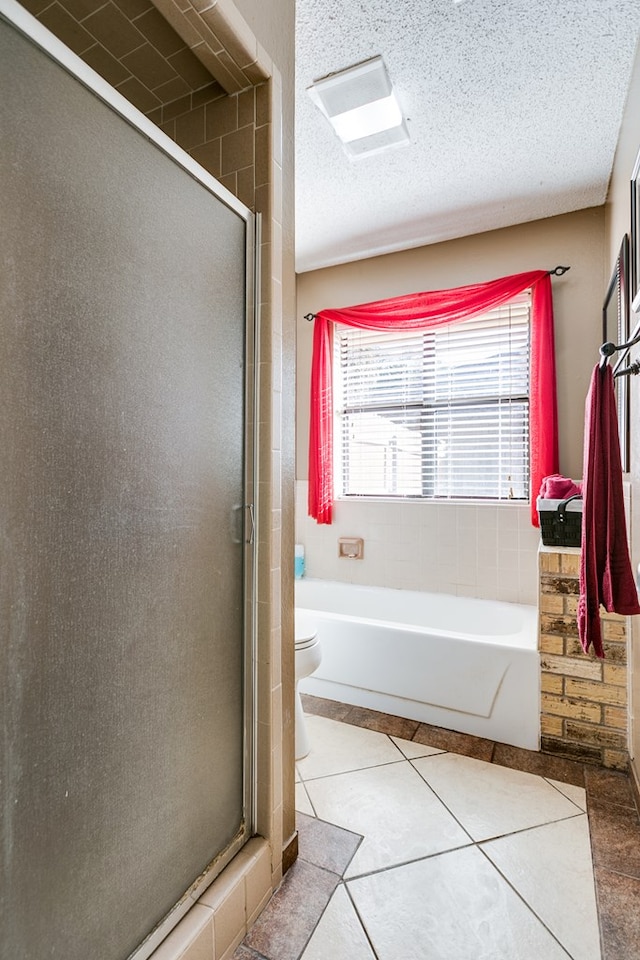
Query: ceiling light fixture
pixel 360 104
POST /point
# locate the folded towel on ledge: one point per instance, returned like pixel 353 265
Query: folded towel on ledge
pixel 557 487
pixel 606 576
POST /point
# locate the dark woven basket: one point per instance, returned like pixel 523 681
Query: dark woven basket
pixel 561 527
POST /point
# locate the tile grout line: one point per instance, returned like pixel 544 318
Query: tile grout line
pixel 579 812
pixel 360 920
pixel 341 882
pixel 522 899
pixel 548 780
pixel 563 770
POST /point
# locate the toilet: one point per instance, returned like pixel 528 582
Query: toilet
pixel 308 657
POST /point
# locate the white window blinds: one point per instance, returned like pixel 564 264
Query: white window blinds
pixel 440 413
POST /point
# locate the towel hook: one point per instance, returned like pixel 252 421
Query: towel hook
pixel 608 349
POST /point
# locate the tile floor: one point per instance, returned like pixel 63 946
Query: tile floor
pixel 416 843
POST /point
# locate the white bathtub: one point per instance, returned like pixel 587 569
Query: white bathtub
pixel 456 662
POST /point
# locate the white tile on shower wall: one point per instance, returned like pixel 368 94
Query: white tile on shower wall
pixel 406 536
pixel 322 567
pixel 523 511
pixel 487 544
pixel 466 574
pixel 464 590
pixel 428 543
pixel 367 573
pixel 508 513
pixel 467 530
pixel 302 496
pixel 409 516
pixel 507 530
pixel 528 577
pixel 528 537
pixel 487 586
pixel 487 583
pixel 406 550
pixel 467 556
pixel 428 528
pixel 380 532
pixel 445 579
pixel 487 516
pixel 379 574
pixel 403 575
pixel 446 519
pixel 509 576
pixel 485 550
pixel 467 516
pixel 428 559
pixel 528 543
pixel 447 549
pixel 349 512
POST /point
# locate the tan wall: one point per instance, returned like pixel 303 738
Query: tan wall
pixel 617 223
pixel 575 240
pixel 617 207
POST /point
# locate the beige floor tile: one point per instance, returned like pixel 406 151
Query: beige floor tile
pixel 339 934
pixel 551 869
pixel 303 804
pixel 337 747
pixel 490 800
pixel 398 815
pixel 455 906
pixel 577 795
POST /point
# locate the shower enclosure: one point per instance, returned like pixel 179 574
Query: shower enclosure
pixel 126 533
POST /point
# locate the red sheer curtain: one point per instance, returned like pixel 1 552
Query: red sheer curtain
pixel 419 311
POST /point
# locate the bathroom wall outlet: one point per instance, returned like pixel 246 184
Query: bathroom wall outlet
pixel 351 547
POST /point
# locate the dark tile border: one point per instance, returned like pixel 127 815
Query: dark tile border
pixel 613 802
pixel 618 899
pixel 542 764
pixel 284 927
pixel 326 845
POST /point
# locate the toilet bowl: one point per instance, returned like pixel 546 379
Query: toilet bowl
pixel 307 659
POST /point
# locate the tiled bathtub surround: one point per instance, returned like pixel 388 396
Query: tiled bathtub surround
pixel 502 866
pixel 583 710
pixel 483 550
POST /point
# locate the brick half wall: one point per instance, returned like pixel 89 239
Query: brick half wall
pixel 583 700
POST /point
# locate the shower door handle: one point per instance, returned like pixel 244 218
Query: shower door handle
pixel 237 523
pixel 251 528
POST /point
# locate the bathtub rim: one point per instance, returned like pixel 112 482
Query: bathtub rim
pixel 524 639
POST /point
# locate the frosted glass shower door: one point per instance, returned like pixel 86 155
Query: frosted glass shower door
pixel 123 480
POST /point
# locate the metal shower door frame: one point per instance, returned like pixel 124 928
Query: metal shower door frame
pixel 16 15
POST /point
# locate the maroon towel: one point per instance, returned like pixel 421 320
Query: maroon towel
pixel 605 569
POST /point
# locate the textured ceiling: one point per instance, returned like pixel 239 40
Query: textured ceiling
pixel 514 109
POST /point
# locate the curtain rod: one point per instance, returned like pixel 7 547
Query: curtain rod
pixel 556 272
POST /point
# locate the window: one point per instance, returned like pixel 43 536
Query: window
pixel 438 413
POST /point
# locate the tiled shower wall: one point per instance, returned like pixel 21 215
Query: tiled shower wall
pixel 472 550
